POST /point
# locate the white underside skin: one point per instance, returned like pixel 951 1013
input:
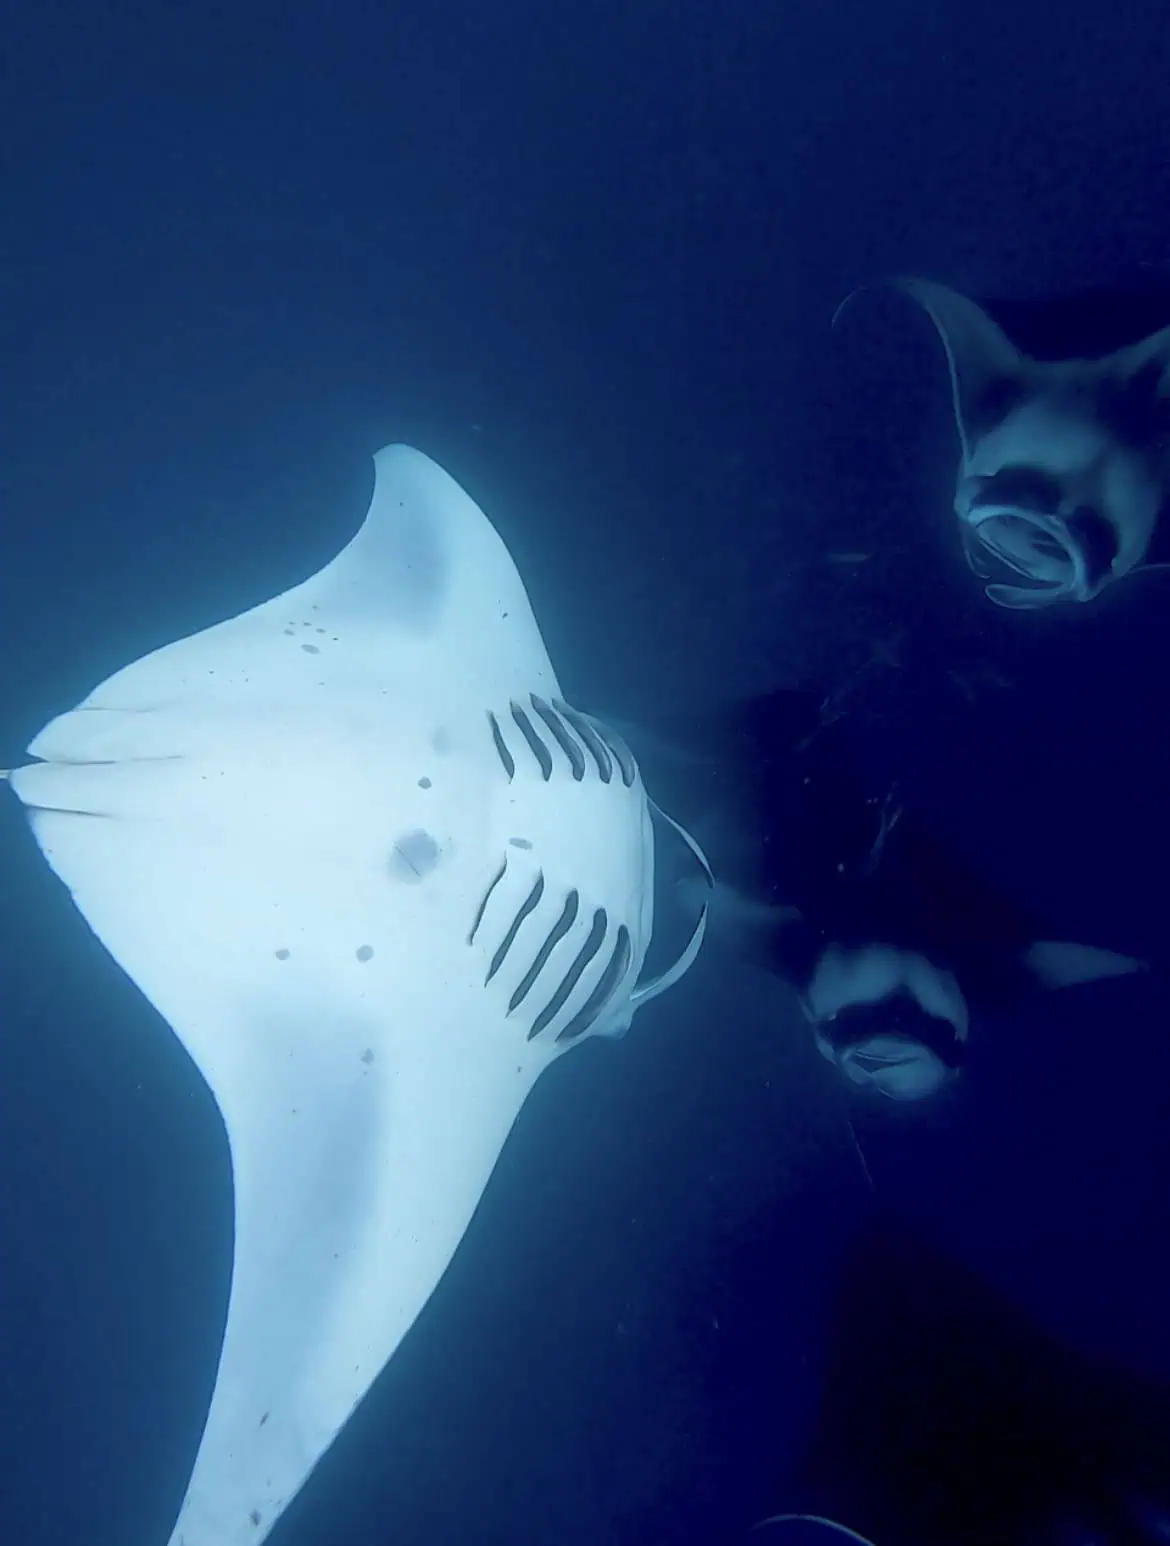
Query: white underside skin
pixel 351 848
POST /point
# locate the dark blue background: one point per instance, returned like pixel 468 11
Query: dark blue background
pixel 586 257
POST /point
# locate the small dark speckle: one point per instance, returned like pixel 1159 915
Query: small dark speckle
pixel 254 1516
pixel 424 783
pixel 283 955
pixel 367 1057
pixel 290 632
pixel 503 614
pixel 320 630
pixel 310 649
pixel 365 952
pixel 264 1419
pixel 306 625
pixel 519 842
pixel 313 607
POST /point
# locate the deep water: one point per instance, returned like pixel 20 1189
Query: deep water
pixel 587 258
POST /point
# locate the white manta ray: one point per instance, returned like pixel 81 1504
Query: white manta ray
pixel 1065 464
pixel 377 876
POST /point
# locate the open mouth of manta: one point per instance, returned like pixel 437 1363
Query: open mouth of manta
pixel 1051 559
pixel 895 1065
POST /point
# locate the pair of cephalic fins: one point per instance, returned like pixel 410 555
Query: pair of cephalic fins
pixel 376 875
pixel 1065 463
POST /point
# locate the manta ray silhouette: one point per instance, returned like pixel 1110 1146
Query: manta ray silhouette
pixel 1063 413
pixel 890 939
pixel 949 1419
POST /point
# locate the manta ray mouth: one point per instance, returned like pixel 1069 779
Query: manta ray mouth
pixel 1039 549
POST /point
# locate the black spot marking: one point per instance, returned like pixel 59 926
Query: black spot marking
pixel 290 633
pixel 365 952
pixel 519 842
pixel 320 630
pixel 414 855
pixel 283 955
pixel 264 1419
pixel 254 1516
pixel 310 649
pixel 424 783
pixel 367 1057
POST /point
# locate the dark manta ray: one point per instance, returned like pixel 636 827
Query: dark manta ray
pixel 1065 465
pixel 949 1419
pixel 889 940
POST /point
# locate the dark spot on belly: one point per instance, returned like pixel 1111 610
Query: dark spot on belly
pixel 414 855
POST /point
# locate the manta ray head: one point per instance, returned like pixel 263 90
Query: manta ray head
pixel 888 1019
pixel 1054 496
pixel 1065 463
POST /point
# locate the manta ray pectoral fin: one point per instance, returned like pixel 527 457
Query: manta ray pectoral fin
pixel 1059 964
pixel 982 360
pixel 1150 357
pixel 376 877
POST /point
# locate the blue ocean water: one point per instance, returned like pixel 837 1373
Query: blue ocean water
pixel 588 260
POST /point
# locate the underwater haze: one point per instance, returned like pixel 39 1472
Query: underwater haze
pixel 587 259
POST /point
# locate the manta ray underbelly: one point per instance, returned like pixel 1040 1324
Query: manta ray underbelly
pixel 376 875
